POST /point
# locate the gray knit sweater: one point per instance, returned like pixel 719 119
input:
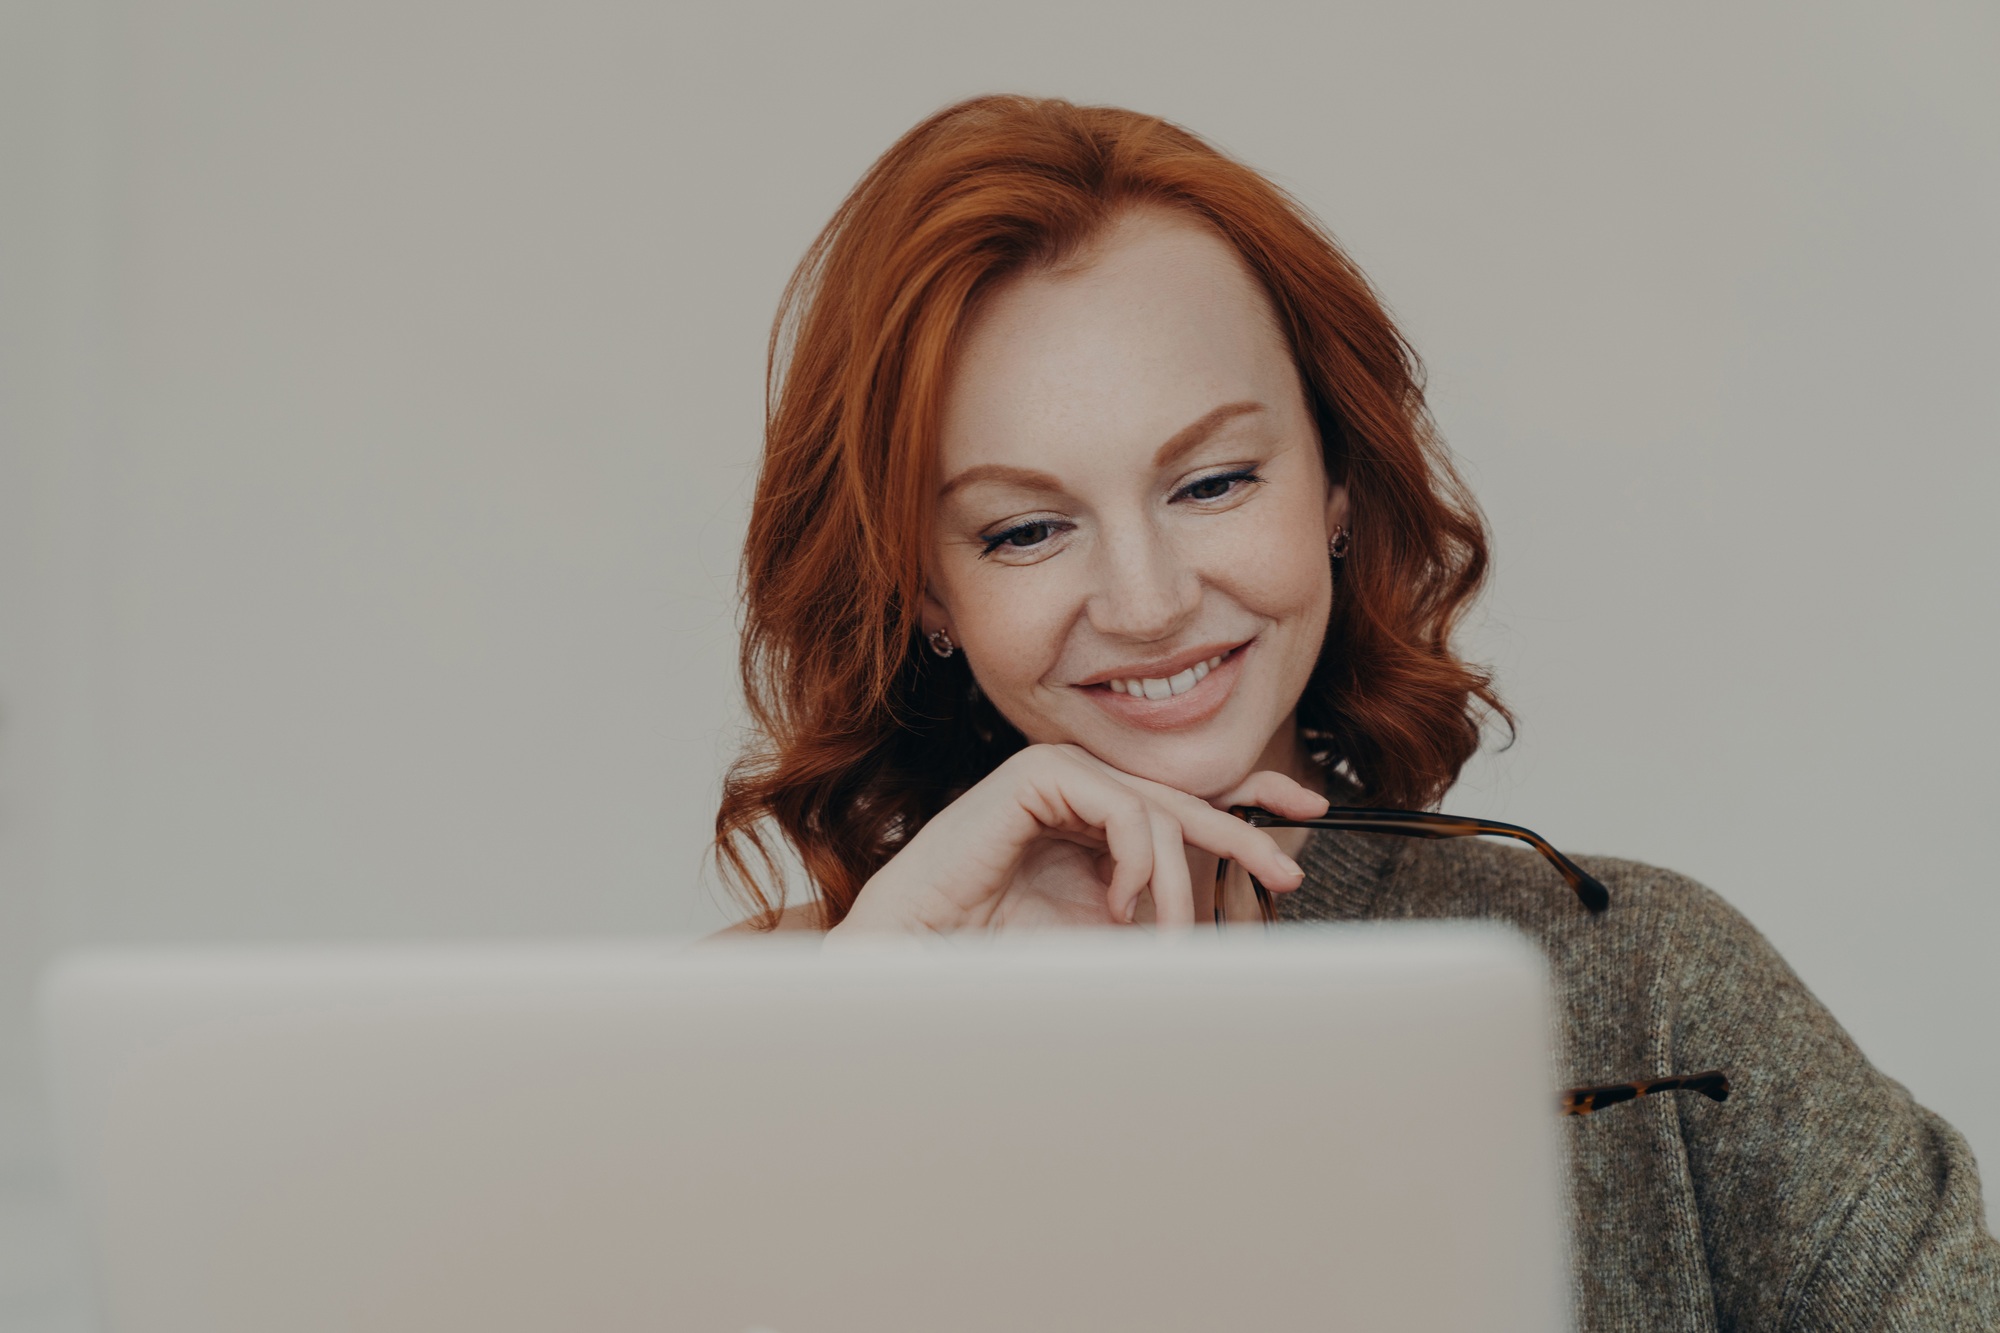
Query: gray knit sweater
pixel 1818 1196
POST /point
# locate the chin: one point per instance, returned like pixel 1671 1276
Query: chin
pixel 1207 768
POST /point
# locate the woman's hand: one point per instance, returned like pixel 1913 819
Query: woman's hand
pixel 1056 836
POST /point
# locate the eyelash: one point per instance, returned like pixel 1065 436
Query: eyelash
pixel 1238 474
pixel 991 544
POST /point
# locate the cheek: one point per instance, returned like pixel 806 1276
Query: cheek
pixel 1298 584
pixel 1281 570
pixel 1011 630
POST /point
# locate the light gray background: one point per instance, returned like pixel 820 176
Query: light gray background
pixel 382 389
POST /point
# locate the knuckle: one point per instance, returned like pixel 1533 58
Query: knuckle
pixel 1064 753
pixel 1035 762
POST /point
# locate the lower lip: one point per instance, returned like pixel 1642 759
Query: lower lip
pixel 1188 709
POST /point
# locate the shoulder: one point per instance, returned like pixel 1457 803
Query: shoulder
pixel 1648 904
pixel 793 919
pixel 1668 954
pixel 1472 877
pixel 1823 1192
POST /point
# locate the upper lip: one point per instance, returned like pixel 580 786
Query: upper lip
pixel 1161 668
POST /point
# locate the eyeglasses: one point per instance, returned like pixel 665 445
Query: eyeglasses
pixel 1409 824
pixel 1713 1083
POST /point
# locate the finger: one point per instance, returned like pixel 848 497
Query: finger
pixel 1070 800
pixel 1224 835
pixel 1173 889
pixel 1128 837
pixel 1093 794
pixel 1279 794
pixel 1204 826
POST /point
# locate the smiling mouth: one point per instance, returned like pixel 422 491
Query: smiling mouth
pixel 1170 685
pixel 1154 687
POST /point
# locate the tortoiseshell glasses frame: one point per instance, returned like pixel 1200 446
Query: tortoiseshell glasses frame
pixel 1713 1083
pixel 1409 824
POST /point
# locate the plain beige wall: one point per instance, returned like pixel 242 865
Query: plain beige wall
pixel 384 385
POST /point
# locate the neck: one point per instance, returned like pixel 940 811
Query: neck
pixel 1287 752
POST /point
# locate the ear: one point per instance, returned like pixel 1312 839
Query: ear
pixel 1336 509
pixel 931 613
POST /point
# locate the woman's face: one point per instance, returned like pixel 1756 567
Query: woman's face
pixel 1134 512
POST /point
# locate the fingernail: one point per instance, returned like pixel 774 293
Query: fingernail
pixel 1131 911
pixel 1291 865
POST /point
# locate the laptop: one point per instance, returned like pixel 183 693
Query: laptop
pixel 1307 1128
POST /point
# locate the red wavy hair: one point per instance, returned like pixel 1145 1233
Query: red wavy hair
pixel 860 735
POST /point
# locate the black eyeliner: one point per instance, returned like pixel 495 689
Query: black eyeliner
pixel 1239 474
pixel 988 545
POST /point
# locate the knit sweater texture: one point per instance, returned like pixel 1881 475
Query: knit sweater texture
pixel 1819 1196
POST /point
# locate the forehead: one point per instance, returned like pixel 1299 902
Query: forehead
pixel 1155 324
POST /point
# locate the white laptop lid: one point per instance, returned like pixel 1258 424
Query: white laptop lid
pixel 1346 1127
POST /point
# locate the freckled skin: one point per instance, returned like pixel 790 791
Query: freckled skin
pixel 1083 374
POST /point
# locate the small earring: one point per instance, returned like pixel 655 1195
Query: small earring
pixel 1337 545
pixel 941 644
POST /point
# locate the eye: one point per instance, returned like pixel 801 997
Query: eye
pixel 1217 485
pixel 1022 536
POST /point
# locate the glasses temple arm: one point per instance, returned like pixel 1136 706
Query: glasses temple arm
pixel 1712 1084
pixel 1424 824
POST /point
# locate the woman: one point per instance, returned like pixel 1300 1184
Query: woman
pixel 1100 497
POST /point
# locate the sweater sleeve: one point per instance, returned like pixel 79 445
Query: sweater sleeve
pixel 1912 1253
pixel 1829 1199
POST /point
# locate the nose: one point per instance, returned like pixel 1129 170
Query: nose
pixel 1145 590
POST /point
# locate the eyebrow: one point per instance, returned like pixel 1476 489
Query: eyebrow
pixel 1026 478
pixel 1196 432
pixel 1182 441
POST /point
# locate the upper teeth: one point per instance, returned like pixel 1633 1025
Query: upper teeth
pixel 1154 687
